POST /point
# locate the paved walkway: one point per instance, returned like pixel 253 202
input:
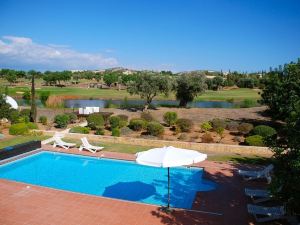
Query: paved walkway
pixel 38 205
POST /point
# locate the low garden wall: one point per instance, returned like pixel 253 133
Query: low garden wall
pixel 213 148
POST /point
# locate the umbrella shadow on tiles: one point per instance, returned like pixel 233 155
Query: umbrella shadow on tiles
pixel 183 188
pixel 130 191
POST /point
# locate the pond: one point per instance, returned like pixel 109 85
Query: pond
pixel 80 103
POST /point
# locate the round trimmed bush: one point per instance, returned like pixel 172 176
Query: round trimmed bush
pixel 207 138
pixel 245 128
pixel 61 120
pixel 232 126
pixel 218 123
pixel 155 129
pixel 105 116
pixel 31 125
pixel 183 137
pixel 254 140
pixel 170 118
pixel 14 116
pixel 184 125
pixel 123 117
pixel 206 126
pixel 72 117
pixel 137 124
pixel 43 120
pixel 95 120
pixel 18 129
pixel 115 132
pixel 264 131
pixel 114 122
pixel 80 130
pixel 99 131
pixel 147 116
pixel 125 131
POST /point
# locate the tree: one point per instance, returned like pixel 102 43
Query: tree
pixel 110 78
pixel 33 104
pixel 218 82
pixel 5 109
pixel 282 95
pixel 148 85
pixel 11 77
pixel 281 92
pixel 188 87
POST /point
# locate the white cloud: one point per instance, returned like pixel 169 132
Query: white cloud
pixel 23 51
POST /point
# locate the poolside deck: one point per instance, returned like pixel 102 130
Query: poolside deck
pixel 38 205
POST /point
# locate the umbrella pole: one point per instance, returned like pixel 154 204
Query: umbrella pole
pixel 168 188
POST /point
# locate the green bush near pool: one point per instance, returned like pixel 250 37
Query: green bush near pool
pixel 155 129
pixel 255 140
pixel 21 128
pixel 80 130
pixel 264 131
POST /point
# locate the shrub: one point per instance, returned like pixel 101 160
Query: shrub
pixel 123 123
pixel 170 118
pixel 217 123
pixel 123 117
pixel 14 116
pixel 183 137
pixel 18 129
pixel 206 126
pixel 43 120
pixel 114 122
pixel 232 126
pixel 255 140
pixel 155 129
pixel 147 116
pixel 26 95
pixel 95 120
pixel 125 131
pixel 72 117
pixel 31 125
pixel 80 130
pixel 115 132
pixel 105 116
pixel 264 131
pixel 25 112
pixel 137 124
pixel 44 96
pixel 207 138
pixel 245 128
pixel 99 131
pixel 184 125
pixel 61 120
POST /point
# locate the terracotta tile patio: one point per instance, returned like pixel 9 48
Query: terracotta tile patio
pixel 28 204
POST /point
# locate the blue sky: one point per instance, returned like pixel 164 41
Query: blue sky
pixel 244 35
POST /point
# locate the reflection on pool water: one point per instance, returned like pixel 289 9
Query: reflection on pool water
pixel 109 178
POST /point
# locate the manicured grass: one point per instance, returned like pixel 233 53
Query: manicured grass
pixel 236 94
pixel 132 149
pixel 19 140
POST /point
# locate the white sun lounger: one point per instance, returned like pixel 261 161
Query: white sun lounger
pixel 251 175
pixel 264 214
pixel 258 195
pixel 59 142
pixel 86 145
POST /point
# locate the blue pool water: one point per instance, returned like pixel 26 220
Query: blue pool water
pixel 109 178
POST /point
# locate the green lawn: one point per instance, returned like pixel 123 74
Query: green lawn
pixel 19 140
pixel 236 94
pixel 132 149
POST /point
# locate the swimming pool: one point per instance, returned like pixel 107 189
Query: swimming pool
pixel 109 178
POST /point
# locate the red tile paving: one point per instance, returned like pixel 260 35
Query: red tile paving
pixel 44 206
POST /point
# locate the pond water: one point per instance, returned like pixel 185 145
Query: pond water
pixel 80 103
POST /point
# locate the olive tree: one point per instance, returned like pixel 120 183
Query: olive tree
pixel 149 84
pixel 189 86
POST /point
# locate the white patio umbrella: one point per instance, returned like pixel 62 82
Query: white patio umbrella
pixel 167 157
pixel 11 101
